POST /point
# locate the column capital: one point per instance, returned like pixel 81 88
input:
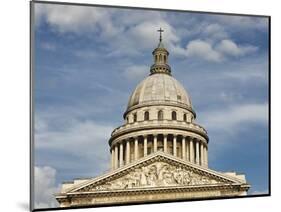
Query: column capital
pixel 135 137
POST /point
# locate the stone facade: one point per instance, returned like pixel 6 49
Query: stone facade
pixel 159 154
pixel 157 177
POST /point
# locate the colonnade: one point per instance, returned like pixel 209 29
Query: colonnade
pixel 187 148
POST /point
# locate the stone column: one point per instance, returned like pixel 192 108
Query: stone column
pixel 120 154
pixel 116 156
pixel 197 152
pixel 202 154
pixel 128 151
pixel 112 158
pixel 154 143
pixel 165 143
pixel 187 150
pixel 206 156
pixel 191 150
pixel 175 145
pixel 136 153
pixel 183 148
pixel 145 146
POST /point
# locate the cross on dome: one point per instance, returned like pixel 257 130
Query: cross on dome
pixel 160 31
pixel 160 57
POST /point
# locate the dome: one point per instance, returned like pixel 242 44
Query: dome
pixel 159 88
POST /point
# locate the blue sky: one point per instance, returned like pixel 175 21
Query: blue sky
pixel 88 60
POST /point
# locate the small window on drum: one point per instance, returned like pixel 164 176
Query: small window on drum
pixel 174 115
pixel 146 116
pixel 160 115
pixel 184 117
pixel 135 117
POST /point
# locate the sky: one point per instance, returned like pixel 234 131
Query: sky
pixel 88 60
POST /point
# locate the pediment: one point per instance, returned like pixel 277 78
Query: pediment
pixel 157 174
pixel 158 170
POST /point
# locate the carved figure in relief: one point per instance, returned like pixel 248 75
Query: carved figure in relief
pixel 155 175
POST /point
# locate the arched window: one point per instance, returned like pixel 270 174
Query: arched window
pixel 160 57
pixel 184 117
pixel 146 115
pixel 174 115
pixel 135 117
pixel 160 115
pixel 155 58
pixel 165 59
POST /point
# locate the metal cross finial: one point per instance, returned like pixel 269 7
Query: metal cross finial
pixel 160 31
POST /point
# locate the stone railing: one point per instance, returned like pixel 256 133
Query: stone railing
pixel 157 123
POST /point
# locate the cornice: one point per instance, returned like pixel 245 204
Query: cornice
pixel 148 125
pixel 160 103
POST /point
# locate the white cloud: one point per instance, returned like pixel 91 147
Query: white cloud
pixel 214 31
pixel 136 72
pixel 76 137
pixel 87 54
pixel 62 131
pixel 143 36
pixel 44 187
pixel 145 33
pixel 214 52
pixel 254 70
pixel 244 22
pixel 66 18
pixel 226 124
pixel 228 47
pixel 137 33
pixel 48 46
pixel 202 49
pixel 130 34
pixel 232 118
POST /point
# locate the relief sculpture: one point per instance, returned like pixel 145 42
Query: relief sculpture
pixel 156 175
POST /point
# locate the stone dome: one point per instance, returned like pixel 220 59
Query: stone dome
pixel 159 117
pixel 159 88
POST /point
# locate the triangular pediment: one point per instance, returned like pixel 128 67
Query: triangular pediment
pixel 154 171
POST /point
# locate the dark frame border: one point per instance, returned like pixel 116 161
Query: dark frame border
pixel 31 106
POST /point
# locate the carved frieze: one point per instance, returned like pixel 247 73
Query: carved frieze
pixel 157 174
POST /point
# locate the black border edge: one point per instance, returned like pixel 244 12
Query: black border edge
pixel 269 105
pixel 31 106
pixel 31 67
